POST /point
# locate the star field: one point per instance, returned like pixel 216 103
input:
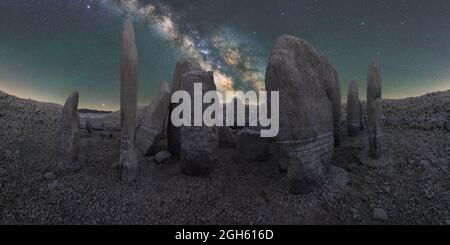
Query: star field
pixel 49 48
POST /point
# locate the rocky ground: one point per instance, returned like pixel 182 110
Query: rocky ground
pixel 36 188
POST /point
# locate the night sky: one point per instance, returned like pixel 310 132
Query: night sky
pixel 48 48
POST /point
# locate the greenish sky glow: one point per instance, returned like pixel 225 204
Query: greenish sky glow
pixel 48 48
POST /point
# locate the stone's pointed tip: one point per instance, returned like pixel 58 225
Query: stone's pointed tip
pixel 128 23
pixel 76 96
pixel 164 87
pixel 374 67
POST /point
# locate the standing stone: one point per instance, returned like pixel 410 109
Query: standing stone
pixel 374 110
pixel 305 141
pixel 151 131
pixel 334 95
pixel 88 126
pixel 68 134
pixel 199 145
pixel 173 133
pixel 128 103
pixel 353 109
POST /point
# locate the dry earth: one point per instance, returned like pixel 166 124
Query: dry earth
pixel 37 189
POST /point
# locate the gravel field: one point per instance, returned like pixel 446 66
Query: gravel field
pixel 36 188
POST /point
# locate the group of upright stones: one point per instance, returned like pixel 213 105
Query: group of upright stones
pixel 310 113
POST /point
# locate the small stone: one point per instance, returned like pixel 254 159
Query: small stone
pixel 380 214
pixel 49 176
pixel 163 157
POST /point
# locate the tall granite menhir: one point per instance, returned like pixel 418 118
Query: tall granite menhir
pixel 353 109
pixel 68 135
pixel 199 144
pixel 305 81
pixel 128 103
pixel 173 133
pixel 374 110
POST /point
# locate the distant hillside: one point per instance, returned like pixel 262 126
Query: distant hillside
pixel 427 112
pixel 93 111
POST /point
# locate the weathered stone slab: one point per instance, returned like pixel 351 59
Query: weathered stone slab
pixel 68 134
pixel 307 84
pixel 173 133
pixel 151 132
pixel 199 145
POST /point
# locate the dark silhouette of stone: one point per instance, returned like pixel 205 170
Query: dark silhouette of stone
pixel 68 134
pixel 374 110
pixel 151 132
pixel 250 147
pixel 334 94
pixel 128 103
pixel 173 133
pixel 226 138
pixel 199 145
pixel 307 84
pixel 163 157
pixel 353 109
pixel 88 126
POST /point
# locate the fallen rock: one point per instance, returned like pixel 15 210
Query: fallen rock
pixel 380 214
pixel 152 129
pixel 163 157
